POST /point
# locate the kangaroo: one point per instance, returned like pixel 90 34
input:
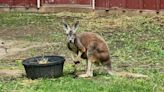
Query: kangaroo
pixel 94 49
pixel 89 46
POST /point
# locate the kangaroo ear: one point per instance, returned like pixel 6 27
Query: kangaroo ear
pixel 75 26
pixel 66 27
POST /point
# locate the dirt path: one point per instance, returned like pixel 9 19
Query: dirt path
pixel 11 47
pixel 11 73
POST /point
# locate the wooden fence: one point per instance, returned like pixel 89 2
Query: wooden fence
pixel 98 4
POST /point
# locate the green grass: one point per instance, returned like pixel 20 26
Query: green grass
pixel 68 84
pixel 134 40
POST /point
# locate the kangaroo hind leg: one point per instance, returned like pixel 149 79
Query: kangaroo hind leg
pixel 90 59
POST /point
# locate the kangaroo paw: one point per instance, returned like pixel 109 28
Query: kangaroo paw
pixel 76 62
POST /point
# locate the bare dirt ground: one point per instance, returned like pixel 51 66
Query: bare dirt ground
pixel 12 47
pixel 11 73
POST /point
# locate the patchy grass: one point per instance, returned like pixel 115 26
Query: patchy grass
pixel 136 45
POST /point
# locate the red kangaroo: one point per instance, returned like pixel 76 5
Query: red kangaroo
pixel 89 46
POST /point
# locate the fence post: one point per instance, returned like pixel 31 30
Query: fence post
pixel 93 4
pixel 38 4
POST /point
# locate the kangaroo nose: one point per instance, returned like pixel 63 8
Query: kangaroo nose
pixel 71 41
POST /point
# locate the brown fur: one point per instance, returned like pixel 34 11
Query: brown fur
pixel 93 47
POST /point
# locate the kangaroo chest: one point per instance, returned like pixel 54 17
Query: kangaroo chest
pixel 72 47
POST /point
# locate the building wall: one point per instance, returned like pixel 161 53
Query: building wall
pixel 100 4
pixel 131 4
pixel 83 2
pixel 18 3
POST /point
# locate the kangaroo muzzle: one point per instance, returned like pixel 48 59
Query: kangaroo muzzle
pixel 71 37
pixel 71 41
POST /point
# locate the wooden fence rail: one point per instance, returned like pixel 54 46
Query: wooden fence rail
pixel 99 4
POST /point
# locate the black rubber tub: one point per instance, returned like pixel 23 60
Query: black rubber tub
pixel 52 69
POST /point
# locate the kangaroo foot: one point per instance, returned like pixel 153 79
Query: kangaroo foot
pixel 85 75
pixel 110 72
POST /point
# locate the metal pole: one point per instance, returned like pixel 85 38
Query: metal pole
pixel 93 4
pixel 38 4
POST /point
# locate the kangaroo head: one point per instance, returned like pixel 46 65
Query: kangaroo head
pixel 70 31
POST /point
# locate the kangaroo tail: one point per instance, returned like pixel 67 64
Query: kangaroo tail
pixel 121 74
pixel 130 75
pixel 108 66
